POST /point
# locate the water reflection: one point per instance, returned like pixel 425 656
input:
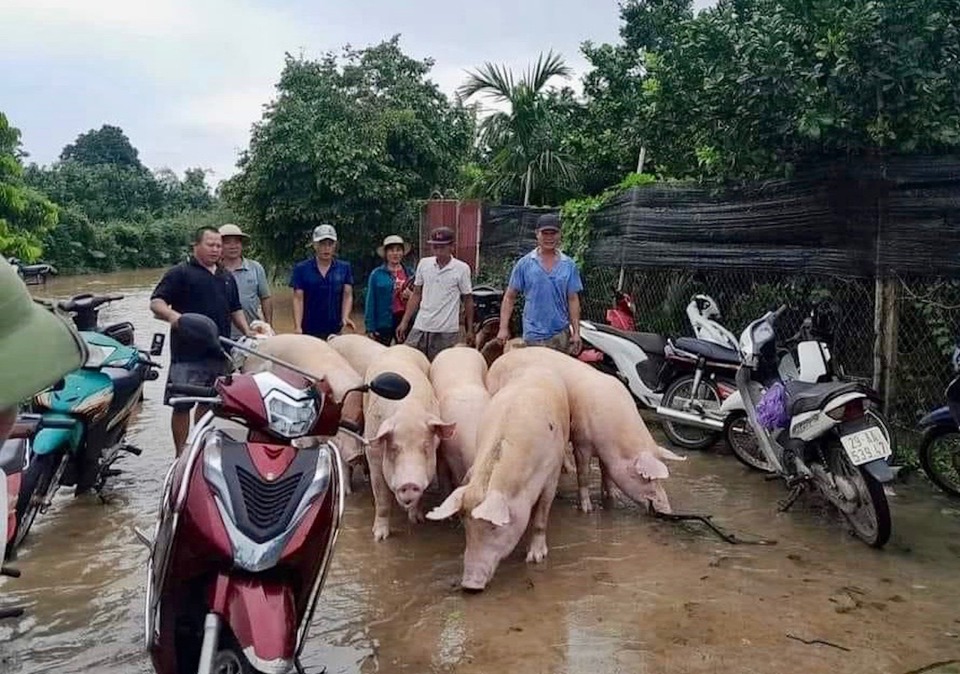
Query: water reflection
pixel 618 592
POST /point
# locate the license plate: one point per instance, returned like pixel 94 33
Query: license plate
pixel 866 446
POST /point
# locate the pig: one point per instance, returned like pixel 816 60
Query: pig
pixel 458 375
pixel 319 359
pixel 520 447
pixel 402 439
pixel 415 356
pixel 358 350
pixel 604 422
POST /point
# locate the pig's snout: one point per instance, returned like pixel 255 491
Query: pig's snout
pixel 408 494
pixel 474 581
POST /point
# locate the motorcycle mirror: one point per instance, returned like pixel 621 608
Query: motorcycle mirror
pixel 199 329
pixel 389 385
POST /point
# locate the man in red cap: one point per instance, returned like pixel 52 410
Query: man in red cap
pixel 440 284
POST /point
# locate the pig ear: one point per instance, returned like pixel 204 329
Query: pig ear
pixel 450 507
pixel 664 453
pixel 494 509
pixel 385 430
pixel 444 429
pixel 650 467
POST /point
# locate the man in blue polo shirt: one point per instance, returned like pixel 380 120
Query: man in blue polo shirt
pixel 322 289
pixel 549 282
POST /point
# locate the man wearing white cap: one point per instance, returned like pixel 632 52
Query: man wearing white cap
pixel 322 288
pixel 250 276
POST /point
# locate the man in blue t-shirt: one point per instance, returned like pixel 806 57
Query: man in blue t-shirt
pixel 549 282
pixel 322 289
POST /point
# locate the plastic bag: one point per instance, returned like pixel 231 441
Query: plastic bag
pixel 772 408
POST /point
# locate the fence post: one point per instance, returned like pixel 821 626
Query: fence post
pixel 886 321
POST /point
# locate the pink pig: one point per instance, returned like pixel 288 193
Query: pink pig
pixel 403 436
pixel 358 350
pixel 520 445
pixel 458 376
pixel 604 422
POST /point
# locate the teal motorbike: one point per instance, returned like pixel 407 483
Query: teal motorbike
pixel 84 417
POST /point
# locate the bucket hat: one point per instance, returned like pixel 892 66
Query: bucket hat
pixel 393 240
pixel 37 346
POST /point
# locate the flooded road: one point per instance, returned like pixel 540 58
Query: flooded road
pixel 619 592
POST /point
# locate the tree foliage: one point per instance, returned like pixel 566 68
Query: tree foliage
pixel 522 142
pixel 25 214
pixel 106 145
pixel 353 139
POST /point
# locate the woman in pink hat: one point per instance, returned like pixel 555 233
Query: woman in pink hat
pixel 388 290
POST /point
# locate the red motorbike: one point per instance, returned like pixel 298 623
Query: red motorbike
pixel 247 527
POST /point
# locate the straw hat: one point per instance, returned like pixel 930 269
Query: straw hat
pixel 393 240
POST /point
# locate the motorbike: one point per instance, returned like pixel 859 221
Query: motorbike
pixel 939 451
pixel 12 456
pixel 684 379
pixel 33 274
pixel 828 443
pixel 804 357
pixel 247 526
pixel 84 417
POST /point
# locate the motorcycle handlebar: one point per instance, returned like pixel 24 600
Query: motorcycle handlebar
pixel 192 391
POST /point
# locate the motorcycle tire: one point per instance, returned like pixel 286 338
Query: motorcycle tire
pixel 36 480
pixel 232 661
pixel 875 500
pixel 682 435
pixel 743 443
pixel 934 439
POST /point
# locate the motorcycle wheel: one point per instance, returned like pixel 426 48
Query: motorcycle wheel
pixel 232 661
pixel 35 485
pixel 743 442
pixel 681 390
pixel 871 519
pixel 940 458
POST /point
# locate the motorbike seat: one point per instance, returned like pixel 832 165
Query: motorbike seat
pixel 708 350
pixel 651 343
pixel 807 397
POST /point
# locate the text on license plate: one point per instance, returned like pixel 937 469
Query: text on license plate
pixel 865 446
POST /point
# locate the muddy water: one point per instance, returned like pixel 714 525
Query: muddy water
pixel 619 592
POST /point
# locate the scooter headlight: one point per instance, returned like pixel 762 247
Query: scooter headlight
pixel 291 417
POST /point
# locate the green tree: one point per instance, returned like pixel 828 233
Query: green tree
pixel 106 145
pixel 522 142
pixel 751 88
pixel 25 214
pixel 352 139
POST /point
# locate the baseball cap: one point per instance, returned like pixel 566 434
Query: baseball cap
pixel 324 233
pixel 231 229
pixel 441 236
pixel 37 346
pixel 548 221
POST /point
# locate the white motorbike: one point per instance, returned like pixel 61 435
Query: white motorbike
pixel 829 443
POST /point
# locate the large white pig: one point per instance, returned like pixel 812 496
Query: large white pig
pixel 403 436
pixel 319 359
pixel 604 422
pixel 358 350
pixel 514 480
pixel 458 376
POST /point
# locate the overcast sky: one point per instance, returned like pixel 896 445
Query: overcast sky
pixel 185 79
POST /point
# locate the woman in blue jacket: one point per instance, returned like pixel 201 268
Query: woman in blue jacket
pixel 388 290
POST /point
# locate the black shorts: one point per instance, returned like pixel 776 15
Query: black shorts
pixel 195 373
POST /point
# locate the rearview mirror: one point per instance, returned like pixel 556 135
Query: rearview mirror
pixel 389 385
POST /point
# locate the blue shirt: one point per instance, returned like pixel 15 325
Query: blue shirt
pixel 546 307
pixel 322 295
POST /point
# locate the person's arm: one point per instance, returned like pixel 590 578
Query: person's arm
pixel 263 290
pixel 298 311
pixel 412 305
pixel 297 286
pixel 506 312
pixel 468 316
pixel 370 306
pixel 165 295
pixel 240 320
pixel 347 307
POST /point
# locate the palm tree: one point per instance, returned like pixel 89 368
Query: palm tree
pixel 521 138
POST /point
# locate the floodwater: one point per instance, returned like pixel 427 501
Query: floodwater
pixel 619 591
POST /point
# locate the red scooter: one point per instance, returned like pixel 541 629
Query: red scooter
pixel 247 528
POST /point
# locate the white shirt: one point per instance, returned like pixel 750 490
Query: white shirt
pixel 441 288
